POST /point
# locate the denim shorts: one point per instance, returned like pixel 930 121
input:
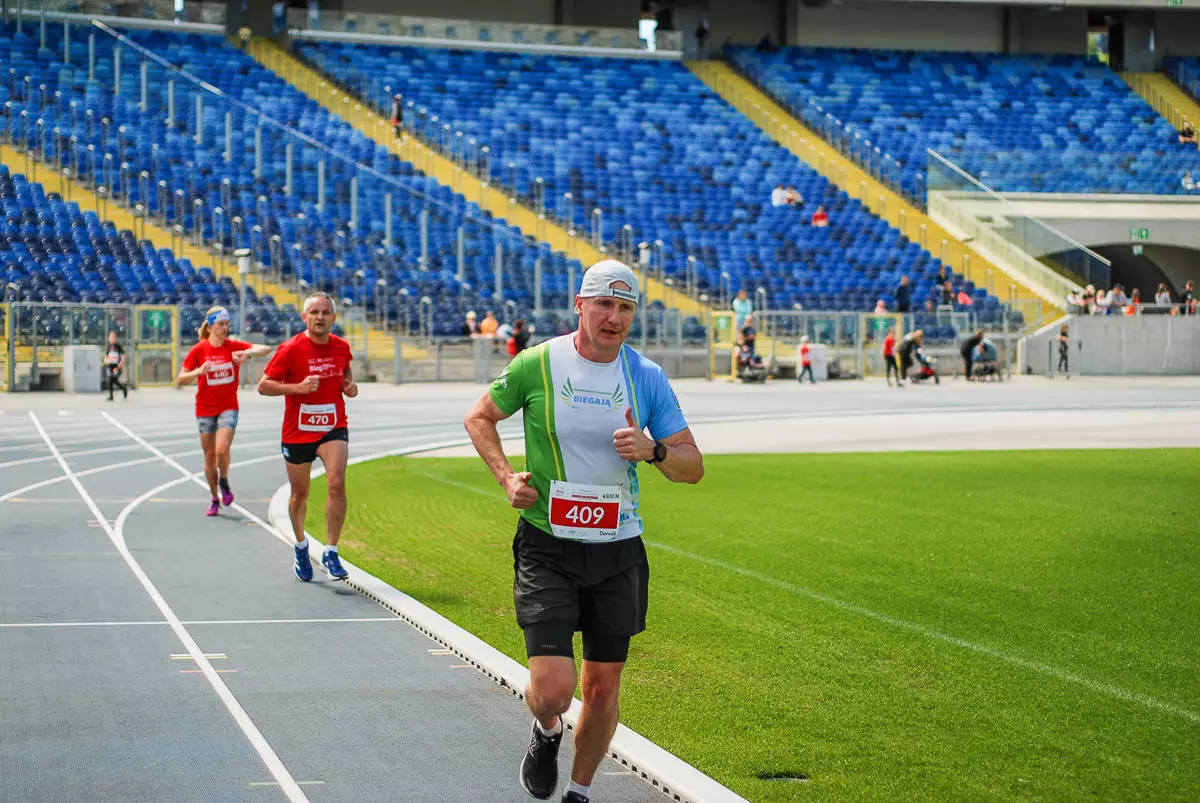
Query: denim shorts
pixel 209 424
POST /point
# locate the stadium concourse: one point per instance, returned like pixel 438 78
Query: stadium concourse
pixel 146 650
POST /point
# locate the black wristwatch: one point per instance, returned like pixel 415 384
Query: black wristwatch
pixel 660 453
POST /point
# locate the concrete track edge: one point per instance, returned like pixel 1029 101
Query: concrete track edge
pixel 663 770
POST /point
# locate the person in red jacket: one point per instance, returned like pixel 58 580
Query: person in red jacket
pixel 312 372
pixel 889 357
pixel 805 361
pixel 215 363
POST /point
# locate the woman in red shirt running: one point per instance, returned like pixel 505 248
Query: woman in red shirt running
pixel 215 363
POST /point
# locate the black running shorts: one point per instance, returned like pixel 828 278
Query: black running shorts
pixel 300 453
pixel 561 587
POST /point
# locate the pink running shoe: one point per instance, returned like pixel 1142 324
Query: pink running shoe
pixel 213 509
pixel 226 492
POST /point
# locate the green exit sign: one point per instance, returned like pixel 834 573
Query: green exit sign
pixel 1174 3
pixel 1139 234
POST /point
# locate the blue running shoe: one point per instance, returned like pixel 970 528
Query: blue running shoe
pixel 334 566
pixel 303 564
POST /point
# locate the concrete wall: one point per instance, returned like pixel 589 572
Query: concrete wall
pixel 1117 345
pixel 1047 30
pixel 916 26
pixel 1182 233
pixel 527 11
pixel 1176 33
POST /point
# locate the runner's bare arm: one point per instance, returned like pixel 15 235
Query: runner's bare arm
pixel 186 377
pixel 684 462
pixel 273 387
pixel 481 424
pixel 349 386
pixel 257 350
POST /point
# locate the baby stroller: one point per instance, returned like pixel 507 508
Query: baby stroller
pixel 926 368
pixel 984 365
pixel 750 366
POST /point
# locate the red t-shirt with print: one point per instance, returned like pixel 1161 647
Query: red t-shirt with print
pixel 308 418
pixel 216 388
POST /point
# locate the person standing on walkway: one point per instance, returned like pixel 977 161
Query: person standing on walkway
pixel 312 371
pixel 114 364
pixel 1064 350
pixel 580 564
pixel 889 358
pixel 214 363
pixel 805 353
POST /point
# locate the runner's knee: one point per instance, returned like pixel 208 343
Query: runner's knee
pixel 601 689
pixel 336 487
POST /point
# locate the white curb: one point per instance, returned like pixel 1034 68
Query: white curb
pixel 664 771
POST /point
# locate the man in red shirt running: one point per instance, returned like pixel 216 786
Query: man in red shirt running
pixel 312 371
pixel 215 363
pixel 805 361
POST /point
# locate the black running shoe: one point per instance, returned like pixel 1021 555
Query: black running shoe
pixel 539 768
pixel 573 797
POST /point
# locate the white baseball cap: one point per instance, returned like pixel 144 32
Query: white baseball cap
pixel 598 281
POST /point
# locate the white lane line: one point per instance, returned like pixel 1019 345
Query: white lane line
pixel 278 771
pixel 143 460
pixel 203 622
pixel 1034 666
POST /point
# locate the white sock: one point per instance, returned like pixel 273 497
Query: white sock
pixel 332 549
pixel 557 729
pixel 302 544
pixel 577 789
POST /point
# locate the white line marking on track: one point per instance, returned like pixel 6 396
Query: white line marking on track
pixel 116 534
pixel 330 621
pixel 1034 666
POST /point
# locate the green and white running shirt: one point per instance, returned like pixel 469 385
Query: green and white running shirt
pixel 572 408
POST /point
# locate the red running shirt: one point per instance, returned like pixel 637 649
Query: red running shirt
pixel 308 418
pixel 804 350
pixel 217 388
pixel 889 346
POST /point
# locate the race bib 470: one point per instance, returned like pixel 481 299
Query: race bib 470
pixel 317 417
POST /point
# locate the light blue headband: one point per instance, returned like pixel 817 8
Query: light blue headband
pixel 219 315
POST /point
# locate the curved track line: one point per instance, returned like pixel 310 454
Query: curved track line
pixel 116 534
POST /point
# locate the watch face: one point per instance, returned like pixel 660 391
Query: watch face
pixel 660 452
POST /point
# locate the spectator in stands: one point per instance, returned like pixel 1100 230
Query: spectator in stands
pixel 911 342
pixel 903 294
pixel 244 34
pixel 748 334
pixel 1135 303
pixel 398 116
pixel 1163 297
pixel 820 219
pixel 930 307
pixel 947 294
pixel 1075 302
pixel 968 350
pixel 805 359
pixel 942 275
pixel 1064 346
pixel 742 307
pixel 1187 182
pixel 779 196
pixel 470 327
pixel 1088 299
pixel 964 298
pixel 702 38
pixel 489 325
pixel 1188 134
pixel 765 45
pixel 1117 299
pixel 881 307
pixel 1188 297
pixel 1103 299
pixel 794 198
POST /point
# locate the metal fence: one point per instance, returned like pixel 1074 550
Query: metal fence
pixel 35 335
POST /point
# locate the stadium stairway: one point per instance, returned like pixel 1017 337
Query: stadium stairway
pixel 1165 96
pixel 380 345
pixel 326 91
pixel 792 134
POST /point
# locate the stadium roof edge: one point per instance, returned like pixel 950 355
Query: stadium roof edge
pixel 125 22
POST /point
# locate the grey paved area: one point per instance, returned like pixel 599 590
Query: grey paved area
pixel 100 701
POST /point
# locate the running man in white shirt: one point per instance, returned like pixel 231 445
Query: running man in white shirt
pixel 580 562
